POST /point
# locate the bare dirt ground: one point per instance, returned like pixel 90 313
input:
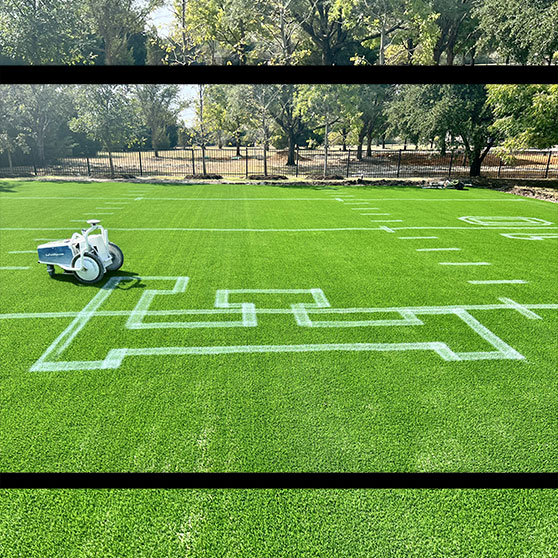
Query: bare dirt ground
pixel 540 189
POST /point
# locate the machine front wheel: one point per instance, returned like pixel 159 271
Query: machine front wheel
pixel 117 257
pixel 50 270
pixel 92 271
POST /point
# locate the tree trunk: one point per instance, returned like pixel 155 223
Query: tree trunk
pixel 361 136
pixel 237 145
pixel 344 139
pixel 111 162
pixel 204 169
pixel 382 59
pixel 156 153
pixel 475 163
pixel 10 162
pixel 265 158
pixel 405 145
pixel 326 146
pixel 291 154
pixel 369 143
pixel 384 141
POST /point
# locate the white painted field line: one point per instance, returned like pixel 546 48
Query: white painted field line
pixel 23 252
pixel 521 308
pixel 41 239
pixel 13 267
pixel 284 311
pixel 109 208
pixel 464 263
pixel 356 203
pixel 387 229
pixel 360 208
pixel 375 214
pixel 499 282
pixel 437 249
pixel 415 237
pixel 386 220
pixel 138 199
pixel 97 213
pixel 471 228
pixel 196 229
pixel 339 199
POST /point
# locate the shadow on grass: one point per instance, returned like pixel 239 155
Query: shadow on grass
pixel 9 186
pixel 133 283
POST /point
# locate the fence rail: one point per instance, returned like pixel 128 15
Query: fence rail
pixel 227 162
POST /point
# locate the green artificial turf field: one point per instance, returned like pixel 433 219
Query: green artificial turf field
pixel 318 330
pixel 278 523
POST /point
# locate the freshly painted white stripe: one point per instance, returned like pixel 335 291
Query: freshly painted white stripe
pixel 13 267
pixel 97 213
pixel 438 249
pixel 359 208
pixel 469 228
pixel 290 311
pixel 386 220
pixel 109 208
pixel 530 236
pixel 511 221
pixel 301 314
pixel 138 199
pixel 520 308
pixel 464 263
pixel 40 239
pixel 375 214
pixel 339 199
pixel 387 229
pixel 415 237
pixel 355 203
pixel 498 282
pixel 23 252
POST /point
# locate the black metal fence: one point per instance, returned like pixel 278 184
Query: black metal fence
pixel 227 162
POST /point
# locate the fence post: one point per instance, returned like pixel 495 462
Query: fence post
pixel 548 164
pixel 499 165
pixel 141 167
pixel 193 162
pixel 35 168
pixel 348 161
pixel 246 151
pixel 450 165
pixel 296 164
pixel 399 163
pixel 88 166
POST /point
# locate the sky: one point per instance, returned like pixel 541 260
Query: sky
pixel 188 93
pixel 161 18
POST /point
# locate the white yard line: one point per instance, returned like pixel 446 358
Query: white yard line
pixel 415 237
pixel 256 199
pixel 464 263
pixel 375 214
pixel 499 282
pixel 386 220
pixel 13 267
pixel 437 249
pixel 23 252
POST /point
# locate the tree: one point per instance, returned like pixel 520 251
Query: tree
pixel 259 99
pixel 115 21
pixel 230 23
pixel 439 112
pixel 11 138
pixel 44 32
pixel 526 115
pixel 41 110
pixel 283 111
pixel 371 106
pixel 158 107
pixel 454 23
pixel 523 32
pixel 324 105
pixel 106 114
pixel 325 25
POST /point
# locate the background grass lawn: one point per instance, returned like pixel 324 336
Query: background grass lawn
pixel 271 523
pixel 333 410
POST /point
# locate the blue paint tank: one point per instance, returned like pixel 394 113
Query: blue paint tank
pixel 59 254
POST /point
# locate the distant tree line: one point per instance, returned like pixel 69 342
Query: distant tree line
pixel 40 123
pixel 286 32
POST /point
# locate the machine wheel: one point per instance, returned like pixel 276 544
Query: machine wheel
pixel 92 271
pixel 50 270
pixel 117 257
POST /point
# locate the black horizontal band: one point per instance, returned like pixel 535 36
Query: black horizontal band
pixel 278 480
